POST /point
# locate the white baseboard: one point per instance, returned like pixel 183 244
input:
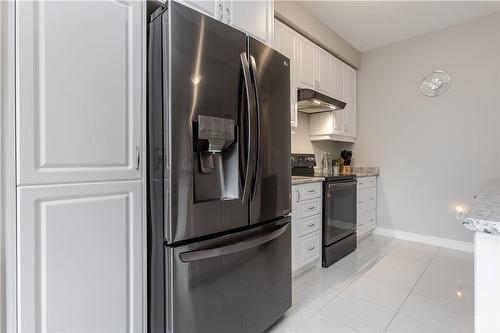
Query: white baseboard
pixel 426 239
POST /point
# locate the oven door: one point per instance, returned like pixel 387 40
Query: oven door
pixel 339 210
pixel 235 283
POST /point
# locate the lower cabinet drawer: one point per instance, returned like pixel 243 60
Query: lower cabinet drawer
pixel 307 225
pixel 366 199
pixel 308 248
pixel 366 221
pixel 308 208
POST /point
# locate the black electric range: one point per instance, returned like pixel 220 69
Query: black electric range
pixel 339 208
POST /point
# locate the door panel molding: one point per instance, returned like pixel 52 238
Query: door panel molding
pixel 59 223
pixel 72 127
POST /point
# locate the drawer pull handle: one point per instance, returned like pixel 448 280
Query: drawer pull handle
pixel 360 225
pixel 311 191
pixel 311 208
pixel 360 202
pixel 311 248
pixel 311 224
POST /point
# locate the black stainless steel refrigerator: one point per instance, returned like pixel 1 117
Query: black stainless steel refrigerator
pixel 219 256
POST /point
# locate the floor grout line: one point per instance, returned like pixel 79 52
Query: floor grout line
pixel 411 290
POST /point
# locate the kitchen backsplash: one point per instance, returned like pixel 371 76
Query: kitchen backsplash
pixel 301 143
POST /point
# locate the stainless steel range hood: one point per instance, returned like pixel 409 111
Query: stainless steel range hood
pixel 310 101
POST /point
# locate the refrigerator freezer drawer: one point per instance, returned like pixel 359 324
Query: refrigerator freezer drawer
pixel 236 283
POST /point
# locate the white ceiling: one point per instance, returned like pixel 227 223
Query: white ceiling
pixel 367 25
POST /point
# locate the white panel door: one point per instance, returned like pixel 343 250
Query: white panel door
pixel 324 72
pixel 80 258
pixel 350 111
pixel 306 58
pixel 212 8
pixel 285 43
pixel 253 17
pixel 79 97
pixel 339 88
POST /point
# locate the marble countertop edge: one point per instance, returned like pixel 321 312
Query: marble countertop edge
pixel 484 215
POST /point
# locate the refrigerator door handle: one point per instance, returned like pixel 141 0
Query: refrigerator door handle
pixel 250 94
pixel 253 67
pixel 232 248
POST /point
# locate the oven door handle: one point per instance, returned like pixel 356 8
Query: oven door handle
pixel 345 184
pixel 232 248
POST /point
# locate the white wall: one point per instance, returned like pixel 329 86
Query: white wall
pixel 433 153
pixel 297 17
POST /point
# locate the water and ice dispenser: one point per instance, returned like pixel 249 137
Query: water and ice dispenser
pixel 215 159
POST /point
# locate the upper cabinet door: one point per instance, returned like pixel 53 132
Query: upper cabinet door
pixel 80 78
pixel 306 57
pixel 339 87
pixel 324 71
pixel 285 43
pixel 211 8
pixel 351 111
pixel 253 17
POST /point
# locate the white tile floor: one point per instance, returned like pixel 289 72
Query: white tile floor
pixel 387 285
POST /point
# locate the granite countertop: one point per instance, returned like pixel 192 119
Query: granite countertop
pixel 296 180
pixel 484 215
pixel 366 171
pixel 358 171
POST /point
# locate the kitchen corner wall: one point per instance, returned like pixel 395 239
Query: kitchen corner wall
pixel 301 142
pixel 433 152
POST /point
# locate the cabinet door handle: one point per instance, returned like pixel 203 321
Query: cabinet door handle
pixel 228 15
pixel 371 220
pixel 311 191
pixel 360 202
pixel 311 224
pixel 372 199
pixel 360 225
pixel 311 208
pixel 221 11
pixel 298 195
pixel 311 248
pixel 138 157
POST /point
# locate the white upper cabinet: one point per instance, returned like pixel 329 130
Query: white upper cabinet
pixel 324 68
pixel 80 258
pixel 339 86
pixel 306 63
pixel 350 110
pixel 285 40
pixel 315 67
pixel 339 125
pixel 253 17
pixel 212 8
pixel 80 84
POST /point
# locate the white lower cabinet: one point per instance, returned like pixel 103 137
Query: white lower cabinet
pixel 366 205
pixel 80 258
pixel 306 225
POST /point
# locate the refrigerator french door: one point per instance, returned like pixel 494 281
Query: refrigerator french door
pixel 218 177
